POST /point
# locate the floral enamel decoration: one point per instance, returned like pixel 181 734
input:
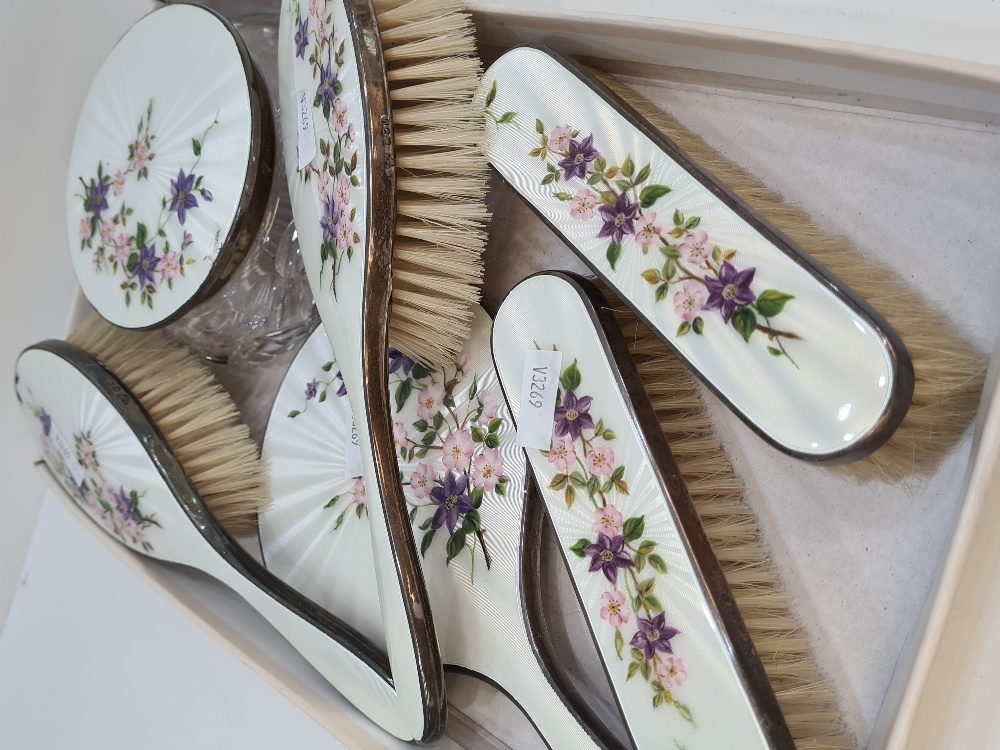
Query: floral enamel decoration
pixel 583 455
pixel 702 282
pixel 450 456
pixel 147 252
pixel 319 44
pixel 117 509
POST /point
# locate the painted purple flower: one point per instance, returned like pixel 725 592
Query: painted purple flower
pixel 399 361
pixel 573 416
pixel 182 195
pixel 207 195
pixel 147 265
pixel 608 555
pixel 328 221
pixel 46 423
pixel 97 196
pixel 302 38
pixel 581 153
pixel 730 290
pixel 312 388
pixel 342 391
pixel 325 91
pixel 124 504
pixel 654 635
pixel 452 499
pixel 618 219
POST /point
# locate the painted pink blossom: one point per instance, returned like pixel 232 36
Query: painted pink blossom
pixel 323 185
pixel 85 228
pixel 560 138
pixel 140 156
pixel 345 232
pixel 562 454
pixel 321 27
pixel 343 192
pixel 123 248
pixel 671 672
pixel 690 300
pixel 314 8
pixel 400 435
pixel 118 183
pixel 608 520
pixel 96 261
pixel 339 116
pixel 487 469
pixel 430 401
pixel 107 233
pixel 601 461
pixel 351 133
pixel 464 363
pixel 458 447
pixel 489 402
pixel 422 481
pixel 85 453
pixel 615 609
pixel 695 248
pixel 169 266
pixel 582 205
pixel 360 496
pixel 647 230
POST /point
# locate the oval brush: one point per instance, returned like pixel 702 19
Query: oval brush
pixel 387 190
pixel 153 450
pixel 948 370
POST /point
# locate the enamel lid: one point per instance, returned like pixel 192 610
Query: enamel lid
pixel 163 167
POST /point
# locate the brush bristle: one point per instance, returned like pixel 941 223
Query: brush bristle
pixel 807 700
pixel 433 72
pixel 197 417
pixel 949 372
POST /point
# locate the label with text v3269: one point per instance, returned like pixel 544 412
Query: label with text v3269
pixel 539 383
pixel 304 126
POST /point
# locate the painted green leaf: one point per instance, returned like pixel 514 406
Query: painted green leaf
pixel 651 276
pixel 594 178
pixel 774 351
pixel 358 510
pixel 559 481
pixel 492 440
pixel 658 563
pixel 570 496
pixel 548 179
pixel 717 254
pixel 698 325
pixel 683 329
pixel 456 543
pixel 196 146
pixel 425 543
pixel 619 643
pixel 438 420
pixel 623 185
pixel 426 524
pixel 539 127
pixel 652 193
pixel 420 425
pixel 600 164
pixel 495 424
pixel 571 378
pixel 628 166
pixel 643 175
pixel 678 218
pixel 613 254
pixel 563 196
pixel 640 563
pixel 327 367
pixel 470 524
pixel 322 396
pixel 693 222
pixel 428 439
pixel 669 269
pixel 608 197
pixel 661 292
pixel 293 413
pixel 633 527
pixel 646 670
pixel 579 548
pixel 476 497
pixel 632 669
pixel 618 473
pixel 745 321
pixel 419 371
pixel 608 435
pixel 670 252
pixel 684 711
pixel 770 302
pixel 477 435
pixel 403 391
pixel 492 95
pixel 506 117
pixel 340 520
pixel 578 479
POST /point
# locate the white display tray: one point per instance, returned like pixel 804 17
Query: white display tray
pixel 911 188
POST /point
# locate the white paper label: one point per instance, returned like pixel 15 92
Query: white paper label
pixel 307 136
pixel 352 449
pixel 67 453
pixel 539 383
